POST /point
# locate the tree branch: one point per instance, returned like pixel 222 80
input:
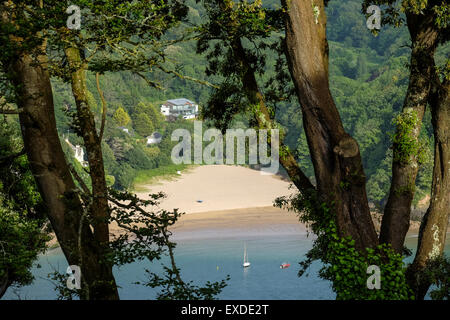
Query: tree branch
pixel 11 157
pixel 183 77
pixel 100 92
pixel 264 120
pixel 16 111
pixel 80 181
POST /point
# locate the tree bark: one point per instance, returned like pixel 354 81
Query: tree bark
pixel 334 153
pixel 4 284
pixel 434 226
pixel 53 178
pixel 100 208
pixel 396 217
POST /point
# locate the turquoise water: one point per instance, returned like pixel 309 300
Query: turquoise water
pixel 211 255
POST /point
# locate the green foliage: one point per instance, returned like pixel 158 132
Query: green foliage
pixel 143 124
pixel 16 180
pixel 123 176
pixel 443 14
pixel 156 117
pixel 174 288
pixel 137 158
pixel 405 139
pixel 393 12
pixel 144 236
pixel 347 269
pixel 21 240
pixel 438 273
pixel 121 116
pixel 22 211
pixel 344 265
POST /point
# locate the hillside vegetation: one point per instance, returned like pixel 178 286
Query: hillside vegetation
pixel 368 75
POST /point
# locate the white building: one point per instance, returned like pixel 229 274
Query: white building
pixel 180 107
pixel 156 137
pixel 125 129
pixel 79 153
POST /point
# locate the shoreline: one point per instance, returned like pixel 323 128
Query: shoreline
pixel 238 223
pixel 227 200
pixel 248 222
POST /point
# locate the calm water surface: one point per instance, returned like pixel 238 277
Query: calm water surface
pixel 212 255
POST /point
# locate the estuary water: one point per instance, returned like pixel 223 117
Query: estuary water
pixel 211 255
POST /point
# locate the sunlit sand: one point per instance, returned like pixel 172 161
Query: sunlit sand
pixel 219 187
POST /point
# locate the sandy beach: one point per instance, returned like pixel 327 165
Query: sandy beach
pixel 218 187
pixel 223 201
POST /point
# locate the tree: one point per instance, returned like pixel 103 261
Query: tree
pixel 121 116
pixel 336 206
pixel 156 117
pixel 73 212
pixel 22 212
pixel 120 29
pixel 143 124
pixel 428 26
pixel 361 66
pixel 80 214
pixel 25 65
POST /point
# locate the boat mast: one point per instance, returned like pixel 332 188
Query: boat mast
pixel 245 252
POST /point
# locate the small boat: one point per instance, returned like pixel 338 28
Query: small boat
pixel 246 263
pixel 285 265
pixel 199 201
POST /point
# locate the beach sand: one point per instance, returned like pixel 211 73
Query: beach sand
pixel 235 201
pixel 219 187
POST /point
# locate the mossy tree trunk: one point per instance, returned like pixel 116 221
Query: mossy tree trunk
pixel 434 226
pixel 405 166
pixel 53 177
pixel 99 209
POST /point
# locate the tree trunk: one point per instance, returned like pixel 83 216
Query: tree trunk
pixel 255 97
pixel 4 284
pixel 335 154
pixel 435 222
pixel 396 218
pixel 85 117
pixel 53 178
pixel 99 208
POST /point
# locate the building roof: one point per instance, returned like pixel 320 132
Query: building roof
pixel 155 135
pixel 180 102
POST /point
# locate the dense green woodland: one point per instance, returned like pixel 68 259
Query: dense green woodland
pixel 368 76
pixel 242 58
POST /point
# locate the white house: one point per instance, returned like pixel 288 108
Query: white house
pixel 125 129
pixel 79 153
pixel 155 138
pixel 180 107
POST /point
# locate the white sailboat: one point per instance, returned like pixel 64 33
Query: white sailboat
pixel 246 263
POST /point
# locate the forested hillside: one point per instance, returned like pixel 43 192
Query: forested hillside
pixel 368 75
pixel 362 114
